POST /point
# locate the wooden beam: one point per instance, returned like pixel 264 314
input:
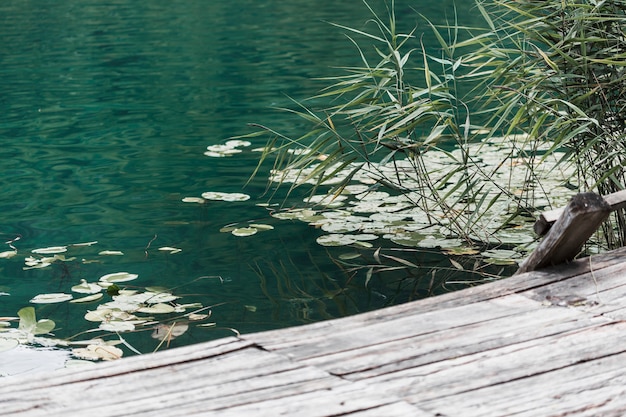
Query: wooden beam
pixel 546 219
pixel 577 222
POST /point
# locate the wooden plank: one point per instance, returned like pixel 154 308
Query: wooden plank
pixel 447 355
pixel 498 366
pixel 592 388
pixel 581 218
pixel 379 359
pixel 546 219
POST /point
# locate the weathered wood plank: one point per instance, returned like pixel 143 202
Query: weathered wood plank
pixel 546 219
pixel 581 218
pixel 592 388
pixel 501 365
pixel 496 349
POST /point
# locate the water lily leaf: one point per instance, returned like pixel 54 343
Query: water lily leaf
pixel 234 143
pixel 85 243
pixel 170 249
pixel 262 227
pixel 169 332
pixel 198 317
pixel 86 288
pixel 117 326
pixel 8 344
pixel 213 195
pixel 29 323
pixel 162 297
pixel 8 254
pixel 349 256
pixel 198 200
pixel 51 298
pixel 336 240
pixel 50 250
pixel 159 308
pixel 88 299
pixel 244 231
pixel 111 253
pixel 118 277
pixel 98 352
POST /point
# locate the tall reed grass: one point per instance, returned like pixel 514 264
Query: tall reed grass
pixel 544 79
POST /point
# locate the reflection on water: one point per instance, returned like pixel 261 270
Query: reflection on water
pixel 105 112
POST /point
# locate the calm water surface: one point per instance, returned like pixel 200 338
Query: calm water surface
pixel 106 108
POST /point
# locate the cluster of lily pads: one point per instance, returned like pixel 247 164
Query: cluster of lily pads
pixel 360 212
pixel 229 148
pixel 125 310
pixel 235 229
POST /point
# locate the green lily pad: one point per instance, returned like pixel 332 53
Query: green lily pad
pixel 51 298
pixel 50 250
pixel 118 277
pixel 245 231
pixel 86 288
pixel 87 299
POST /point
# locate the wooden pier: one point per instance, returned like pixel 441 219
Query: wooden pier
pixel 544 343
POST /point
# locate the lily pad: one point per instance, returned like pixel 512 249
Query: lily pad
pixel 111 253
pixel 87 299
pixel 98 352
pixel 170 249
pixel 335 240
pixel 51 298
pixel 218 196
pixel 86 288
pixel 245 231
pixel 197 200
pixel 157 309
pixel 7 344
pixel 50 250
pixel 118 277
pixel 169 332
pixel 117 326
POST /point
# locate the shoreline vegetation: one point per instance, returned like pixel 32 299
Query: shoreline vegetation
pixel 462 149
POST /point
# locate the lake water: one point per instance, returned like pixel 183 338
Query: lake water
pixel 105 112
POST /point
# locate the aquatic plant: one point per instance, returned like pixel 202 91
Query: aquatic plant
pixel 556 70
pixel 547 82
pixel 114 305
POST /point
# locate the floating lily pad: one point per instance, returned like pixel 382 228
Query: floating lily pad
pixel 51 298
pixel 218 196
pixel 118 277
pixel 169 332
pixel 197 200
pixel 235 143
pixel 170 249
pixel 244 231
pixel 86 288
pixel 117 326
pixel 50 250
pixel 98 352
pixel 262 227
pixel 111 253
pixel 335 240
pixel 7 344
pixel 159 308
pixel 87 299
pixel 8 254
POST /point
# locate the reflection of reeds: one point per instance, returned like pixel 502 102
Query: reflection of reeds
pixel 284 283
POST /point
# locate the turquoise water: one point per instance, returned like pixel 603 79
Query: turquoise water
pixel 105 112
